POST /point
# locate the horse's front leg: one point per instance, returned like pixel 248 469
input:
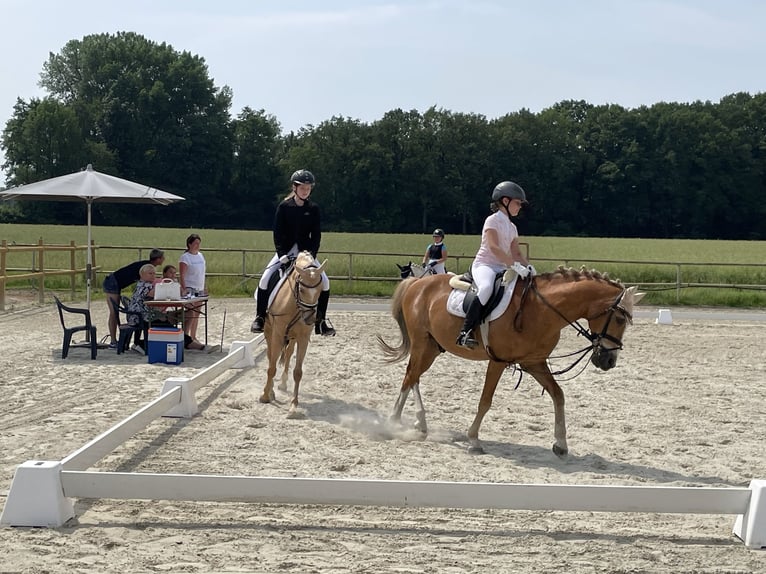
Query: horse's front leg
pixel 492 377
pixel 542 375
pixel 287 353
pixel 273 350
pixel 300 355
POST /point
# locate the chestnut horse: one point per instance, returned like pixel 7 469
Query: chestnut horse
pixel 524 335
pixel 290 322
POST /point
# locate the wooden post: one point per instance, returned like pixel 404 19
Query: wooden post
pixel 3 251
pixel 92 248
pixel 41 281
pixel 73 267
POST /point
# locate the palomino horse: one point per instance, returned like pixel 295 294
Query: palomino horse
pixel 524 335
pixel 290 322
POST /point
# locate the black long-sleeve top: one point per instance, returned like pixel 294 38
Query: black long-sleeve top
pixel 294 224
pixel 129 274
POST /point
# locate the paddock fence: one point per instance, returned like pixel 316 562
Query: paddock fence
pixel 41 491
pixel 39 266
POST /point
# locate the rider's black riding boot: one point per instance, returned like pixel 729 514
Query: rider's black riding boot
pixel 322 326
pixel 261 303
pixel 472 317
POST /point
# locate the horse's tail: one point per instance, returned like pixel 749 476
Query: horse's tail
pixel 396 354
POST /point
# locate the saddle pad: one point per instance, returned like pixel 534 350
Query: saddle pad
pixel 456 296
pixel 282 278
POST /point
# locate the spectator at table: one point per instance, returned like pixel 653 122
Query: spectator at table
pixel 121 279
pixel 192 268
pixel 138 311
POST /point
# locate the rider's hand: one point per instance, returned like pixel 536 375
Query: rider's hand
pixel 284 259
pixel 520 269
pixel 532 270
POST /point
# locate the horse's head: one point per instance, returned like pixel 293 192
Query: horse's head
pixel 405 270
pixel 608 327
pixel 304 259
pixel 308 283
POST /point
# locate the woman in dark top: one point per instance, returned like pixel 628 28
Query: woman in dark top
pixel 297 227
pixel 120 279
pixel 436 253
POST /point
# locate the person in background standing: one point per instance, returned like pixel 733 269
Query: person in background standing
pixel 436 253
pixel 297 228
pixel 192 269
pixel 120 279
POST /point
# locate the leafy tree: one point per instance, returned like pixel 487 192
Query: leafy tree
pixel 256 178
pixel 157 110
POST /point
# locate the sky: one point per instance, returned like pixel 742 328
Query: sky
pixel 306 61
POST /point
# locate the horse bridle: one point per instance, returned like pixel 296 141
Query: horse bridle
pixel 596 345
pixel 302 305
pixel 596 338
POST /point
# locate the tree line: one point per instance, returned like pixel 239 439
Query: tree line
pixel 149 113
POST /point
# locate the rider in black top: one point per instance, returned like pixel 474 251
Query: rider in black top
pixel 297 227
pixel 436 253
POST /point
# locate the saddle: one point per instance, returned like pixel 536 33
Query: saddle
pixel 276 280
pixel 465 291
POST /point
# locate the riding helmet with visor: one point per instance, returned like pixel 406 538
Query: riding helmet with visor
pixel 303 176
pixel 438 233
pixel 509 189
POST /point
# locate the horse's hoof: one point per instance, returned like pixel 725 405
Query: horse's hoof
pixel 263 399
pixel 560 452
pixel 476 450
pixel 295 414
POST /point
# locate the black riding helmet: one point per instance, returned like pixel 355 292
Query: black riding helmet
pixel 439 232
pixel 509 189
pixel 303 176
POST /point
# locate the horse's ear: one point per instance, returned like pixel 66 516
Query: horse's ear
pixel 400 267
pixel 322 265
pixel 636 296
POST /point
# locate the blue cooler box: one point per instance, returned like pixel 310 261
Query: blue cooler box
pixel 166 345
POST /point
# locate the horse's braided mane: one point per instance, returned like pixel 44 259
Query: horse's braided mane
pixel 571 274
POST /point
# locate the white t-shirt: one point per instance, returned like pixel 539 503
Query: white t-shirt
pixel 506 233
pixel 194 276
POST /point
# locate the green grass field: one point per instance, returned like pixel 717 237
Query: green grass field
pixel 647 262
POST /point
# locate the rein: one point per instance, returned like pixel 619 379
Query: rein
pixel 594 338
pixel 297 291
pixel 304 310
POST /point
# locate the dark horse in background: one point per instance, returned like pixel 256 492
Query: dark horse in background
pixel 525 335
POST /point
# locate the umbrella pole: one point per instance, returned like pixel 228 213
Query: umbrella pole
pixel 88 267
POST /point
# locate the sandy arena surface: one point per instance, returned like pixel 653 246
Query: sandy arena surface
pixel 684 407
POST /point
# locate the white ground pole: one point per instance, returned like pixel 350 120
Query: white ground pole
pixel 41 490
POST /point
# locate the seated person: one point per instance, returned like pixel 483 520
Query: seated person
pixel 164 315
pixel 169 272
pixel 139 312
pixel 169 317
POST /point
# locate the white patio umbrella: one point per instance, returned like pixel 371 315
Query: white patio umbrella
pixel 89 185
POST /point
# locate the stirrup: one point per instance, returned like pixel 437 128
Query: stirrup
pixel 257 326
pixel 324 328
pixel 464 340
